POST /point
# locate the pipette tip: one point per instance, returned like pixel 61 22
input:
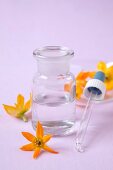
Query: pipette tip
pixel 79 146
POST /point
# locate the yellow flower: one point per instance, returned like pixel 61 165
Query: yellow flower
pixel 38 142
pixel 19 109
pixel 108 74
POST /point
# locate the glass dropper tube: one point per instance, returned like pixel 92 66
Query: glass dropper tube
pixel 84 124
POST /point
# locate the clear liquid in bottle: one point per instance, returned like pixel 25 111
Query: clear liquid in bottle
pixel 56 113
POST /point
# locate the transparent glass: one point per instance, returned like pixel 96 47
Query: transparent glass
pixel 53 104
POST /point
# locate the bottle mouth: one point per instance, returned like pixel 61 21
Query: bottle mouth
pixel 53 53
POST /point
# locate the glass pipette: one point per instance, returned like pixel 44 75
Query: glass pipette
pixel 94 90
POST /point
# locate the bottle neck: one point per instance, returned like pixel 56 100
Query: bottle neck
pixel 53 68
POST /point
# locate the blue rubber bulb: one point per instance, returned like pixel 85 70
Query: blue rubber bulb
pixel 100 76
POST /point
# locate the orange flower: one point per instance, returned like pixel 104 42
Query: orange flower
pixel 38 142
pixel 19 109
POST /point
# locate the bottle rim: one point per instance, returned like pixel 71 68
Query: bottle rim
pixel 53 53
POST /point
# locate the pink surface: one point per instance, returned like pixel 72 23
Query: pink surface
pixel 87 27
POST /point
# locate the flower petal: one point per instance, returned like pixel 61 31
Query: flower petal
pixel 79 91
pixel 28 147
pixel 39 130
pixel 109 85
pixel 36 153
pixel 46 138
pixel 48 149
pixel 81 83
pixel 111 68
pixel 27 105
pixel 10 110
pixel 109 73
pixel 101 66
pixel 29 136
pixel 92 74
pixel 82 75
pixel 20 102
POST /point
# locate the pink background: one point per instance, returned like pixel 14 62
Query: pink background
pixel 83 25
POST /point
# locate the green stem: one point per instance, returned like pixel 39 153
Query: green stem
pixel 24 118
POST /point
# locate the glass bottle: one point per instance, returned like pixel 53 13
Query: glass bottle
pixel 53 104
